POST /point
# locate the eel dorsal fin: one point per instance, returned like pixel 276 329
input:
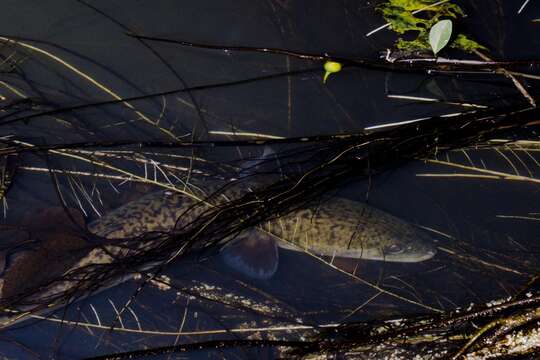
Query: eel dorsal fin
pixel 253 253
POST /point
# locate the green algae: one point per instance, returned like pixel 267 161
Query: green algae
pixel 400 15
pixel 464 43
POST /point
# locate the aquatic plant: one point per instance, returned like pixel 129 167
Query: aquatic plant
pixel 403 19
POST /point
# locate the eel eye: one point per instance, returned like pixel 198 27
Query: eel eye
pixel 394 249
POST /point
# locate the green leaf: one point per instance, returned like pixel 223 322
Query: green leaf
pixel 439 35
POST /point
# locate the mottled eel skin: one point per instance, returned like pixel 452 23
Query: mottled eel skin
pixel 335 227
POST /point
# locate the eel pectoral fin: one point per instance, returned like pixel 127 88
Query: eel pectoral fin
pixel 253 253
pixel 250 167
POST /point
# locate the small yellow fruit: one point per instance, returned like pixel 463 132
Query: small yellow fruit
pixel 331 67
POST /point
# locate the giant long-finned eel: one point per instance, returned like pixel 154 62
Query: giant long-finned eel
pixel 334 227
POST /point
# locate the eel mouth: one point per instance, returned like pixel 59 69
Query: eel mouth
pixel 428 253
pixel 425 255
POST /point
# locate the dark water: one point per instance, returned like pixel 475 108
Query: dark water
pixel 495 255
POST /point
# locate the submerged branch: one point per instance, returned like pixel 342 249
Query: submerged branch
pixel 424 64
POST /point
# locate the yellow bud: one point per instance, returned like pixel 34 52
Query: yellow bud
pixel 331 67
